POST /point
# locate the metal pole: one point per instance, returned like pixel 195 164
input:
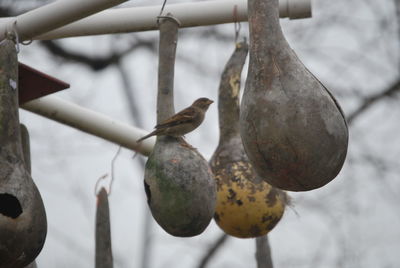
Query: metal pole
pixel 192 14
pixel 52 16
pixel 91 122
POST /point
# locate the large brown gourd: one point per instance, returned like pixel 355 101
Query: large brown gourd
pixel 246 205
pixel 23 224
pixel 293 130
pixel 178 181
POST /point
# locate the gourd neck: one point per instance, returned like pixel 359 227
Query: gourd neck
pixel 229 121
pixel 167 50
pixel 10 138
pixel 264 24
pixel 229 92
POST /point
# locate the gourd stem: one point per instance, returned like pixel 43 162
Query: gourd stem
pixel 167 51
pixel 10 138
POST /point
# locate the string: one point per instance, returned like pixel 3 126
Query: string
pixel 237 26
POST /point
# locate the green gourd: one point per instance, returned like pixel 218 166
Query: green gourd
pixel 179 184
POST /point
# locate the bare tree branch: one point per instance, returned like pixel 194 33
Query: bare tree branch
pixel 263 252
pixel 96 63
pixel 212 250
pixel 371 100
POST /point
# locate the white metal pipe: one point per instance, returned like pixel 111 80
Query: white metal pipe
pixel 91 122
pixel 52 16
pixel 191 14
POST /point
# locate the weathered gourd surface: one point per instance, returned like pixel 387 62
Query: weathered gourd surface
pixel 293 130
pixel 179 184
pixel 246 205
pixel 23 224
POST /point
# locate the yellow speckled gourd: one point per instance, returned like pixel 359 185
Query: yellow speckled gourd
pixel 245 208
pixel 246 205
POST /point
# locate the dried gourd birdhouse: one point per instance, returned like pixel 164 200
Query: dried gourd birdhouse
pixel 178 181
pixel 293 130
pixel 23 224
pixel 246 205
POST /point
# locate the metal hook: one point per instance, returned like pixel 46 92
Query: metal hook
pixel 96 187
pixel 169 16
pixel 27 42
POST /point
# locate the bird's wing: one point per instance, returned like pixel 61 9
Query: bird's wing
pixel 185 116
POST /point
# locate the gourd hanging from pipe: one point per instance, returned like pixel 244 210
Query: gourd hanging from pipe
pixel 246 205
pixel 23 224
pixel 179 184
pixel 26 150
pixel 293 130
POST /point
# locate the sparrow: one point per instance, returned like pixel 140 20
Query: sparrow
pixel 182 122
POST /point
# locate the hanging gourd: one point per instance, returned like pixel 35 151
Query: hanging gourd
pixel 293 130
pixel 23 224
pixel 104 257
pixel 179 185
pixel 26 150
pixel 246 205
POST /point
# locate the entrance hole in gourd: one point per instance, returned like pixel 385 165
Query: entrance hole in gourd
pixel 148 192
pixel 10 206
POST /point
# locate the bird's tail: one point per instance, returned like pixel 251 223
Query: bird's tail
pixel 147 136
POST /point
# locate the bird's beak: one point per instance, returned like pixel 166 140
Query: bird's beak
pixel 209 102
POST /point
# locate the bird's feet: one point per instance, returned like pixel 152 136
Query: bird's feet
pixel 183 143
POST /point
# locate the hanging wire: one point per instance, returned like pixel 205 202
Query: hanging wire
pixel 96 186
pixel 161 11
pixel 103 177
pixel 237 25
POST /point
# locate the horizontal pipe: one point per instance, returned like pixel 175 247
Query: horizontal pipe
pixel 52 16
pixel 91 122
pixel 191 14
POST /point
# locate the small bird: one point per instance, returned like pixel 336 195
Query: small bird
pixel 183 122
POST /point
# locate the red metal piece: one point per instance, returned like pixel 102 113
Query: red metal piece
pixel 34 84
